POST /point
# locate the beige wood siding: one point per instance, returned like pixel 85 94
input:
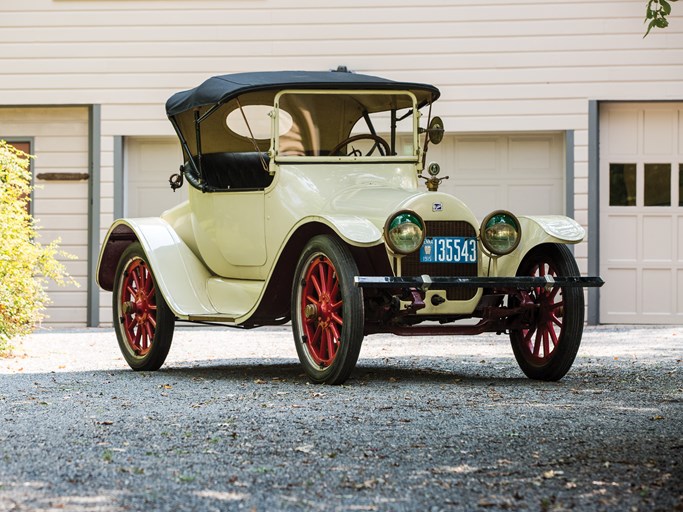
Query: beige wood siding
pixel 61 207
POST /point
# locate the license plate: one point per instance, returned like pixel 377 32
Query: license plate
pixel 449 249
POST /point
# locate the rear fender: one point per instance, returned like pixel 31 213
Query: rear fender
pixel 179 274
pixel 537 230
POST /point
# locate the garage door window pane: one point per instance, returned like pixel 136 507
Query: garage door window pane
pixel 622 184
pixel 657 184
pixel 680 184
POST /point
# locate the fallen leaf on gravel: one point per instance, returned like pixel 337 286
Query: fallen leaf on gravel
pixel 369 484
pixel 549 474
pixel 306 448
pixel 259 381
pixel 657 417
pixel 462 469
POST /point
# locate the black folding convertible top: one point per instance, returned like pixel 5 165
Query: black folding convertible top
pixel 220 89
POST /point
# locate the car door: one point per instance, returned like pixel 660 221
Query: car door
pixel 230 231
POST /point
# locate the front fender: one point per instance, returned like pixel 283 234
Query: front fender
pixel 357 231
pixel 562 229
pixel 179 274
pixel 537 230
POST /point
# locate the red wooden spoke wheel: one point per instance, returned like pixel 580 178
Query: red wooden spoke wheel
pixel 138 305
pixel 143 321
pixel 541 339
pixel 547 347
pixel 327 310
pixel 321 309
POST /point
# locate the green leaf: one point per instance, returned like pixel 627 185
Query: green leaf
pixel 666 7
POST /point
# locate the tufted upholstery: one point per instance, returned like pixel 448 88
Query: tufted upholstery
pixel 239 170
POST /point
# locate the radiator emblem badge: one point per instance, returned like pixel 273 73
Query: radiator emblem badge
pixel 437 207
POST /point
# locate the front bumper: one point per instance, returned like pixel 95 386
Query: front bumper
pixel 495 317
pixel 426 282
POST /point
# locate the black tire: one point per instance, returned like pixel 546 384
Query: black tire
pixel 327 311
pixel 142 320
pixel 546 351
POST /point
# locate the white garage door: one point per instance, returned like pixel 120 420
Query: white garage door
pixel 641 213
pixel 149 163
pixel 523 173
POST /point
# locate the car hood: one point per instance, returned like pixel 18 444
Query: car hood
pixel 378 203
pixel 375 201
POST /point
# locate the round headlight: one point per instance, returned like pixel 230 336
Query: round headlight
pixel 500 233
pixel 404 232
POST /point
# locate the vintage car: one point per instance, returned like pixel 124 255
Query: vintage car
pixel 306 205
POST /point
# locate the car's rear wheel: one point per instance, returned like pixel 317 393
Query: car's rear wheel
pixel 547 348
pixel 327 311
pixel 143 321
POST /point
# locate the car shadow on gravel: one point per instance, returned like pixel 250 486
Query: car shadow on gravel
pixel 374 371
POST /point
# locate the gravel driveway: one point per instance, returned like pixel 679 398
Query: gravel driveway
pixel 231 423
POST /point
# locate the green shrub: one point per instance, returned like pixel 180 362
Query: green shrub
pixel 25 264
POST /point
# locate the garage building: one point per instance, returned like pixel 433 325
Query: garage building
pixel 550 107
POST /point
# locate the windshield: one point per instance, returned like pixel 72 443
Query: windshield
pixel 355 124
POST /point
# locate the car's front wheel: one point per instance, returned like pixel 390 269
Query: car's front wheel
pixel 547 348
pixel 143 321
pixel 327 311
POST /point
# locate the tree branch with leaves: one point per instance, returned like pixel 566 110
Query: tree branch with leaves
pixel 656 13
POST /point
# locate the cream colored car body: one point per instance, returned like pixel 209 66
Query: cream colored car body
pixel 298 209
pixel 214 255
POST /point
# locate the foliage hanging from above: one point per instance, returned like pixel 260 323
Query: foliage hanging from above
pixel 656 14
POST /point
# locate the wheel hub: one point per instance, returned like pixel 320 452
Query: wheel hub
pixel 325 306
pixel 310 311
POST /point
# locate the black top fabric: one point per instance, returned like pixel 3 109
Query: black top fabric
pixel 219 89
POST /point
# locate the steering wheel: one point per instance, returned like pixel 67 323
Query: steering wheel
pixel 381 144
